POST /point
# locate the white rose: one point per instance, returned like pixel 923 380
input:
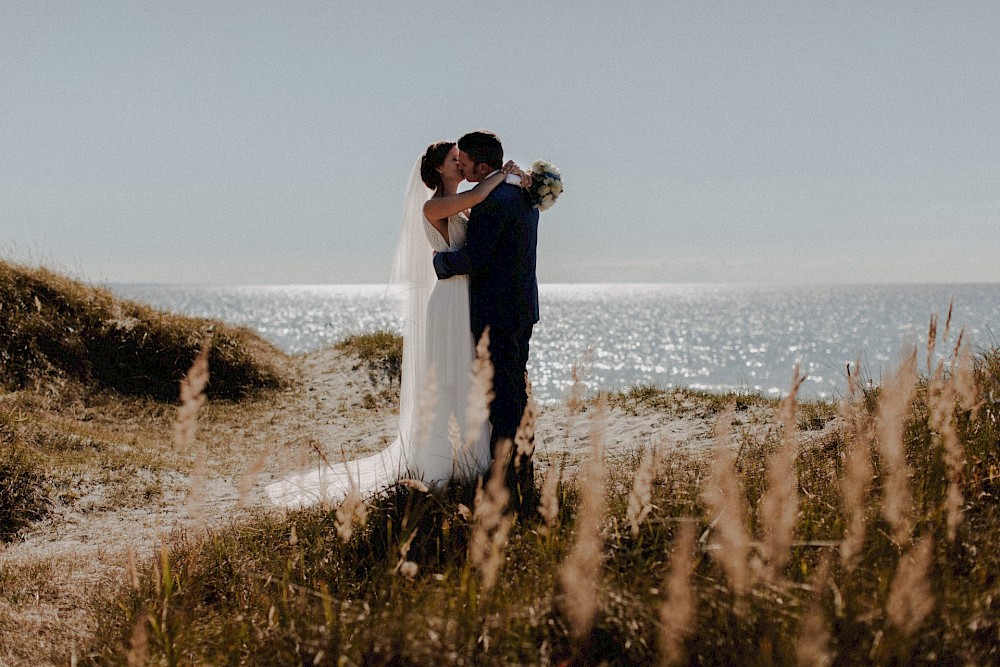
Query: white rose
pixel 544 190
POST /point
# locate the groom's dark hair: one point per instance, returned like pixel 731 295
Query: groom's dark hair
pixel 483 146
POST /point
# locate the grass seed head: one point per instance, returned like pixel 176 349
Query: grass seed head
pixel 895 400
pixel 640 501
pixel 910 598
pixel 524 438
pixel 727 509
pixel 192 398
pixel 481 392
pixel 414 484
pixel 351 510
pixel 941 400
pixel 491 519
pixel 677 611
pixel 780 504
pixel 548 505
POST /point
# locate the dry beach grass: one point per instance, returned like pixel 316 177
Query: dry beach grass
pixel 675 527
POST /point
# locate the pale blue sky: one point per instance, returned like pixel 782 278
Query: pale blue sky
pixel 270 142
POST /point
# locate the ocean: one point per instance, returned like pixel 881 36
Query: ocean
pixel 703 336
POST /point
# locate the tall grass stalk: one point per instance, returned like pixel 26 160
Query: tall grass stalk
pixel 726 506
pixel 857 475
pixel 812 646
pixel 580 573
pixel 492 521
pixel 192 394
pixel 524 438
pixel 640 497
pixel 780 503
pixel 910 597
pixel 548 505
pixel 677 611
pixel 481 392
pixel 193 397
pixel 895 399
pixel 941 404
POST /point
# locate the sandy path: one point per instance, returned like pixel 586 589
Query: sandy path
pixel 83 546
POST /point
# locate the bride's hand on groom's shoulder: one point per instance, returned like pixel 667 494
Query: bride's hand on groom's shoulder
pixel 512 168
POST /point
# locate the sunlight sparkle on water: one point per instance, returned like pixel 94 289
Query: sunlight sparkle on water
pixel 711 337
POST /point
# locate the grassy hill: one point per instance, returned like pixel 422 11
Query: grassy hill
pixel 53 329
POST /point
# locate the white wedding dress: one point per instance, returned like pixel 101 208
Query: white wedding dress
pixel 435 442
pixel 447 445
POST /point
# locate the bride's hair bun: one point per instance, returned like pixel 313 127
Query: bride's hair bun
pixel 434 158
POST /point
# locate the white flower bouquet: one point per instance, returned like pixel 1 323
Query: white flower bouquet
pixel 546 184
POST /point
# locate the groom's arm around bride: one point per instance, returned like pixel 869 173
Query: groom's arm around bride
pixel 499 257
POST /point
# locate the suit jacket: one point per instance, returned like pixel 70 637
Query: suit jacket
pixel 499 257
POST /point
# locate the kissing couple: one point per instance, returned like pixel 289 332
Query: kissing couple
pixel 465 268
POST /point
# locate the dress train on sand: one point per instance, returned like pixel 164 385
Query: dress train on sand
pixel 435 442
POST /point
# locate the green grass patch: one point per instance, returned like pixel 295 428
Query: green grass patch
pixel 815 415
pixel 681 400
pixel 381 352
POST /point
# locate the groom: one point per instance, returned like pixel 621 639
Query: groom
pixel 499 257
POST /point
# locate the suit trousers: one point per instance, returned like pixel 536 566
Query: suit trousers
pixel 509 354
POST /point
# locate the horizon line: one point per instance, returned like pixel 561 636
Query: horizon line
pixel 568 284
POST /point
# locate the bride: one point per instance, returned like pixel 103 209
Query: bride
pixel 435 442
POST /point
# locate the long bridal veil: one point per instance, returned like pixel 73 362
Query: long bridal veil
pixel 410 285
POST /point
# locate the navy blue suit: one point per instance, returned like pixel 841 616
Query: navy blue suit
pixel 499 258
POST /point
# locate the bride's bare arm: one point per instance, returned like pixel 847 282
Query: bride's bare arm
pixel 439 208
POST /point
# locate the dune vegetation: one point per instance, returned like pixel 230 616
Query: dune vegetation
pixel 862 531
pixel 872 544
pixel 54 329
